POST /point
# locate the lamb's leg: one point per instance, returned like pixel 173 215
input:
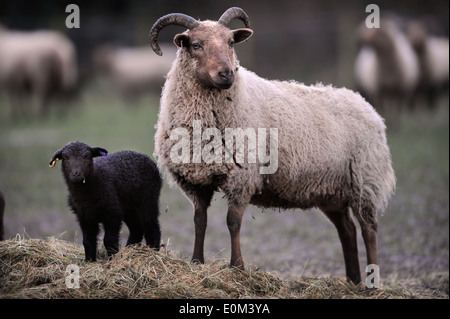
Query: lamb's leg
pixel 152 230
pixel 136 235
pixel 234 220
pixel 90 233
pixel 347 234
pixel 135 228
pixel 202 200
pixel 111 239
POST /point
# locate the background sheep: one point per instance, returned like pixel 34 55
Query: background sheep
pixel 133 71
pixel 42 63
pixel 386 65
pixel 121 186
pixel 433 55
pixel 2 211
pixel 332 146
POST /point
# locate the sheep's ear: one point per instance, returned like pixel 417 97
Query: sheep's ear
pixel 55 157
pixel 243 34
pixel 181 40
pixel 98 151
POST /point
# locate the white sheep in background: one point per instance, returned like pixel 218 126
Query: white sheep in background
pixel 41 62
pixel 386 65
pixel 433 54
pixel 331 144
pixel 134 70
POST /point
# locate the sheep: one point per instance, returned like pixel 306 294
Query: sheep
pixel 386 65
pixel 2 211
pixel 124 186
pixel 328 148
pixel 433 54
pixel 43 62
pixel 132 70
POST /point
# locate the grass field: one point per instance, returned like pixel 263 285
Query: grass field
pixel 291 245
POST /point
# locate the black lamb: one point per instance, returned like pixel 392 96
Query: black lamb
pixel 123 186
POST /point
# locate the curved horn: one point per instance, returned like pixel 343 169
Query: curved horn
pixel 173 18
pixel 234 13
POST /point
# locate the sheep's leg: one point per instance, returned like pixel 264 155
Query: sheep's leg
pixel 136 235
pixel 234 220
pixel 135 228
pixel 17 104
pixel 111 239
pixel 202 200
pixel 347 234
pixel 90 233
pixel 369 233
pixel 153 231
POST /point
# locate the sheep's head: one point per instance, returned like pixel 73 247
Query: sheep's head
pixel 378 38
pixel 77 160
pixel 209 43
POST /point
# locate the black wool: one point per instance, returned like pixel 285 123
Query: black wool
pixel 108 189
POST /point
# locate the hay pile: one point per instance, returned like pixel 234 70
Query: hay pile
pixel 36 268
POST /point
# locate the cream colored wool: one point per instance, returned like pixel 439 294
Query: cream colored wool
pixel 388 65
pixel 25 51
pixel 331 143
pixel 134 69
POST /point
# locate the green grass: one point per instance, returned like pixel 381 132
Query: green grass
pixel 36 194
pixel 293 245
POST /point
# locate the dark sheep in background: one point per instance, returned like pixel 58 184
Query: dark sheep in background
pixel 124 186
pixel 2 210
pixel 433 54
pixel 386 65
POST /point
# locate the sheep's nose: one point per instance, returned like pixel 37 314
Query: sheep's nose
pixel 76 173
pixel 226 75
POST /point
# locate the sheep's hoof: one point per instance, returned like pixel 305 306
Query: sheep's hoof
pixel 197 261
pixel 237 265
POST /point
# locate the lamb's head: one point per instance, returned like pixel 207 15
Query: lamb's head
pixel 77 160
pixel 208 43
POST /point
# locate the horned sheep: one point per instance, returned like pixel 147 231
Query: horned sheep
pixel 123 186
pixel 331 144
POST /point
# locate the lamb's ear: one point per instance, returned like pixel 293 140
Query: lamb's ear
pixel 181 40
pixel 243 34
pixel 98 151
pixel 55 157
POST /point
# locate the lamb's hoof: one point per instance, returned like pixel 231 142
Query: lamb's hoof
pixel 197 261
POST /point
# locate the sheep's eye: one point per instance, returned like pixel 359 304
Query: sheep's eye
pixel 231 44
pixel 196 46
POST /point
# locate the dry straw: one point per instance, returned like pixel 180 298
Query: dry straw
pixel 36 268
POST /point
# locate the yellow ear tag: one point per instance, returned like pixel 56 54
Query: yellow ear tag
pixel 53 163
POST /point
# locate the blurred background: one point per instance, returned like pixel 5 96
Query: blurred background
pixel 100 84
